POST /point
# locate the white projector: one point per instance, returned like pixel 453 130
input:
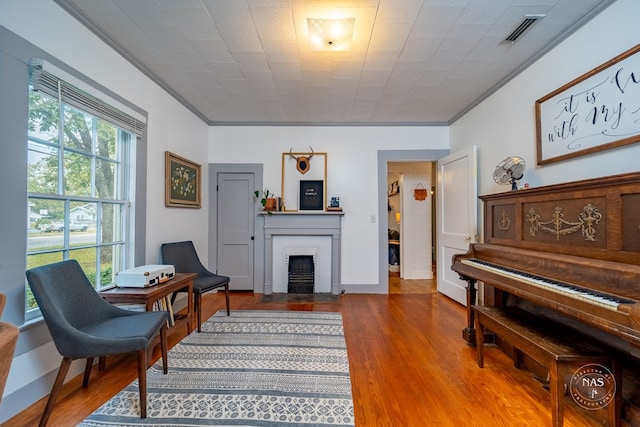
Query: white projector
pixel 145 276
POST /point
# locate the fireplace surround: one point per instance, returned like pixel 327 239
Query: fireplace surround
pixel 301 225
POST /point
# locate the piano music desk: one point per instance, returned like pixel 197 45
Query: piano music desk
pixel 555 347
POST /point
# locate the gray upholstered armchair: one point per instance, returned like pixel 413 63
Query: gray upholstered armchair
pixel 83 325
pixel 183 256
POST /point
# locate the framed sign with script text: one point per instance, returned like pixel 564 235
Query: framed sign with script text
pixel 597 111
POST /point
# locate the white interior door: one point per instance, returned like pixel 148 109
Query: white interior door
pixel 236 211
pixel 457 217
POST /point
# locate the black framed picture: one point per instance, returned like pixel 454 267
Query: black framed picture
pixel 311 195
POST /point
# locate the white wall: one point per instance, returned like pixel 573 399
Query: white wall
pixel 170 127
pixel 351 174
pixel 504 124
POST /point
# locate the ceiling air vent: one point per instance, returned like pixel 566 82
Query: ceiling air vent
pixel 526 23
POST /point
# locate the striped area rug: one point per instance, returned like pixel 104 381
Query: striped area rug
pixel 253 368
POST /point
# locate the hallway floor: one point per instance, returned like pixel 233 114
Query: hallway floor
pixel 418 286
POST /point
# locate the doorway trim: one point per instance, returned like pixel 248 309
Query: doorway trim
pixel 258 248
pixel 384 157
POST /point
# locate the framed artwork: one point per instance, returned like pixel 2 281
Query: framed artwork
pixel 315 169
pixel 597 111
pixel 182 182
pixel 394 188
pixel 312 195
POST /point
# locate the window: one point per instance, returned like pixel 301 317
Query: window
pixel 79 187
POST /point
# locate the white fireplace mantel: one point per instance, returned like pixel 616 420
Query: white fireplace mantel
pixel 302 224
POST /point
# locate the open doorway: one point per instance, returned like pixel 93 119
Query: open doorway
pixel 411 224
pixel 384 157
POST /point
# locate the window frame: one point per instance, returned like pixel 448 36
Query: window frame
pixel 124 248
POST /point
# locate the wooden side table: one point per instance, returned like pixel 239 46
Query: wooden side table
pixel 148 296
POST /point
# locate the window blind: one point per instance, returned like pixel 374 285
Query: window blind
pixel 45 82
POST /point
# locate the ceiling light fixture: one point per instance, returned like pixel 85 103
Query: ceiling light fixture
pixel 330 34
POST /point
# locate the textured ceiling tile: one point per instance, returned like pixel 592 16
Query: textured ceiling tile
pixel 390 13
pixel 388 37
pixel 265 93
pixel 259 78
pixel 372 93
pixel 240 38
pixel 409 70
pixel 187 61
pixel 269 3
pixel 225 12
pixel 446 59
pixel 281 50
pixel 486 12
pixel 225 70
pixel 274 23
pixel 286 71
pixel 251 61
pixel 316 78
pixel 433 78
pixel 420 48
pixel 374 77
pixel 178 4
pixel 166 38
pixel 144 12
pixel 212 51
pixel 194 24
pixel 381 61
pixel 235 87
pixel 435 21
pixel 464 37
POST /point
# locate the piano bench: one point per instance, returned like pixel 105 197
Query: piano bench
pixel 559 349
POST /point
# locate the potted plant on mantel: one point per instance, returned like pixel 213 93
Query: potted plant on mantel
pixel 267 200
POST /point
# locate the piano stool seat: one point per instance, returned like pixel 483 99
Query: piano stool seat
pixel 559 349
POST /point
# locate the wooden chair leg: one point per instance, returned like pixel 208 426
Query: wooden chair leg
pixel 142 381
pixel 198 308
pixel 102 363
pixel 87 372
pixel 163 348
pixel 55 390
pixel 226 294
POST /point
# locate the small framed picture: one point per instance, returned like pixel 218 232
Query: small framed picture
pixel 312 195
pixel 394 188
pixel 182 182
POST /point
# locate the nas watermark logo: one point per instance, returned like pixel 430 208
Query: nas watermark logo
pixel 592 386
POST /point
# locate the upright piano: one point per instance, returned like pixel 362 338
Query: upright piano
pixel 570 252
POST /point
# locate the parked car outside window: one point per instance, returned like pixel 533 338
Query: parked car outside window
pixel 59 226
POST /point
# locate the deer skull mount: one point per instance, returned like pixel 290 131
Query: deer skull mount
pixel 303 163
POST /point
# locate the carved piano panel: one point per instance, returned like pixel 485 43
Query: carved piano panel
pixel 630 214
pixel 596 218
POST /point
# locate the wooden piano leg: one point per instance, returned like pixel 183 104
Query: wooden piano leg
pixel 556 392
pixel 614 412
pixel 479 340
pixel 469 333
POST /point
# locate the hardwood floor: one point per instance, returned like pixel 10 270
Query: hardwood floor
pixel 409 367
pixel 414 286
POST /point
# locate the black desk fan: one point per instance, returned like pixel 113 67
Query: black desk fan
pixel 509 171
